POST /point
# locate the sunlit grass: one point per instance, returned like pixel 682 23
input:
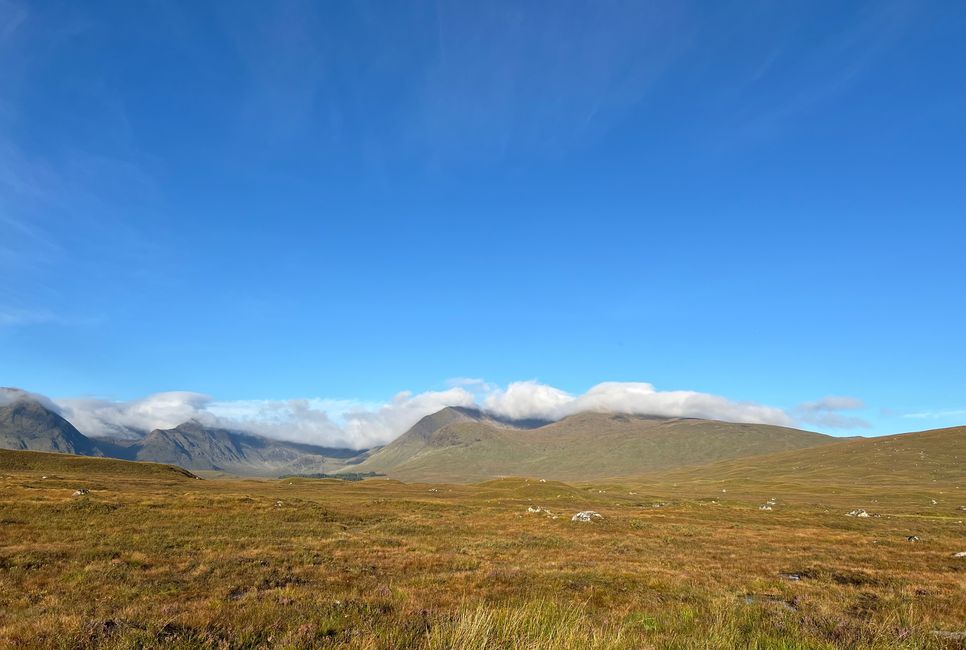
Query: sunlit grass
pixel 162 560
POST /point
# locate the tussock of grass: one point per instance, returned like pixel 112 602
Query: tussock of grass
pixel 536 625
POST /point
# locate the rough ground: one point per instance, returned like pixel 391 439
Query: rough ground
pixel 165 560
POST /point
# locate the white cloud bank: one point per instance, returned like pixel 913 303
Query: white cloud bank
pixel 530 399
pixel 358 425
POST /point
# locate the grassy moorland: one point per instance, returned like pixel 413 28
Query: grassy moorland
pixel 152 557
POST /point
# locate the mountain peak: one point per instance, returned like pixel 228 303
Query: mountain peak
pixel 26 423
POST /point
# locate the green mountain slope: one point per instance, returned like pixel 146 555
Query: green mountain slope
pixel 462 445
pixel 878 469
pixel 53 464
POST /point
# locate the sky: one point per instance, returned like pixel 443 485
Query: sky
pixel 326 219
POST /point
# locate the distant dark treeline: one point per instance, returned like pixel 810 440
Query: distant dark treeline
pixel 348 476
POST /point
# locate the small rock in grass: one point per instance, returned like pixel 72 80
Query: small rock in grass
pixel 81 492
pixel 586 515
pixel 960 554
pixel 534 509
pixel 857 513
pixel 765 507
pixel 913 538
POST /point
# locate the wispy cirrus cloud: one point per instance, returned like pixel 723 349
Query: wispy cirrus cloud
pixel 935 415
pixel 828 413
pixel 13 317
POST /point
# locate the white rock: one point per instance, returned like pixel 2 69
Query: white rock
pixel 586 515
pixel 766 506
pixel 857 513
pixel 960 554
pixel 534 509
pixel 81 492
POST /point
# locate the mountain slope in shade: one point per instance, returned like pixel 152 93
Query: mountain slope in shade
pixel 463 445
pixel 26 424
pixel 194 446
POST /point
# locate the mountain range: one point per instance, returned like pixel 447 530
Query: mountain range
pixel 464 445
pixel 26 424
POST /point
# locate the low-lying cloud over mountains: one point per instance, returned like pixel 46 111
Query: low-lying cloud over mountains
pixel 359 425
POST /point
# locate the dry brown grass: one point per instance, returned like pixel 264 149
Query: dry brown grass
pixel 168 561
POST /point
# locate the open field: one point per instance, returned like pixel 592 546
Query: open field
pixel 160 559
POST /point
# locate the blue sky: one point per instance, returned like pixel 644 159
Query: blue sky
pixel 340 201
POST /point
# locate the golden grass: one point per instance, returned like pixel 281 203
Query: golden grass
pixel 145 562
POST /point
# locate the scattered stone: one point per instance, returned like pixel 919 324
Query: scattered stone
pixel 43 478
pixel 278 504
pixel 81 492
pixel 857 513
pixel 586 515
pixel 960 554
pixel 795 577
pixel 543 480
pixel 955 636
pixel 933 501
pixel 658 505
pixel 434 489
pixel 534 509
pixel 765 506
pixel 913 538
